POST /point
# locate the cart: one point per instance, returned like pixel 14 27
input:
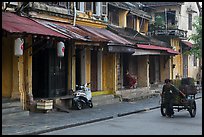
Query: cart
pixel 183 103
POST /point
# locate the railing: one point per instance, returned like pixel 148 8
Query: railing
pixel 169 32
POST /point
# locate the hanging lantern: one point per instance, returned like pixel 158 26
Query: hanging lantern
pixel 18 47
pixel 60 49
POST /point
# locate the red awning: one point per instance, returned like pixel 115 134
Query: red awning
pixel 73 31
pixel 17 24
pixel 112 37
pixel 153 47
pixel 189 44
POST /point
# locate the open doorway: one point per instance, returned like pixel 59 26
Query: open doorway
pixel 49 75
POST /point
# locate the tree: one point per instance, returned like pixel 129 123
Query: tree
pixel 197 38
pixel 197 47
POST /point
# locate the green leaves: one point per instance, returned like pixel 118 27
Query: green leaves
pixel 196 38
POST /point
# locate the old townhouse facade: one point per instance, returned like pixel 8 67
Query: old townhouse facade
pixel 39 71
pixel 102 40
pixel 151 66
pixel 177 19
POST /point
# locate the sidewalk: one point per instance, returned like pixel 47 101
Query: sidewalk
pixel 37 123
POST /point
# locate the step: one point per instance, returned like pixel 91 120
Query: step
pixel 12 108
pixel 10 104
pixel 104 100
pixel 129 95
pixel 14 115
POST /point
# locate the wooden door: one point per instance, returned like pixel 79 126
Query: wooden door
pixel 94 70
pixel 57 74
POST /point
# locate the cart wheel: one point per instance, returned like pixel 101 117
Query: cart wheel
pixel 163 110
pixel 192 109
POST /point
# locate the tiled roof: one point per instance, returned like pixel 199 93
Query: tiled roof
pixel 136 37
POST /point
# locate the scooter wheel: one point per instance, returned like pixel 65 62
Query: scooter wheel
pixel 90 104
pixel 79 105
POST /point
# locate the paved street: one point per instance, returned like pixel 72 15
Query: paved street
pixel 144 123
pixel 38 123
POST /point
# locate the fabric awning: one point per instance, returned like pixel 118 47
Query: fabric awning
pixel 187 43
pixel 154 47
pixel 17 24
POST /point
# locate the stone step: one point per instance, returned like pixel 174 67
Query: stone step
pixel 15 114
pixel 12 108
pixel 104 100
pixel 10 104
pixel 136 94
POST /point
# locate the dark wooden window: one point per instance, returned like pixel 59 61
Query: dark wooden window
pixel 114 17
pixel 94 8
pixel 88 6
pixel 130 21
pixel 104 8
pixel 190 21
pixel 78 5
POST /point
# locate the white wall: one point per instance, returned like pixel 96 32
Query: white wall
pixel 183 16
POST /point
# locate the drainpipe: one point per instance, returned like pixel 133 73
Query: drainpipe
pixel 74 13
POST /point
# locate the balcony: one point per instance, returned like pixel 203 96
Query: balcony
pixel 171 31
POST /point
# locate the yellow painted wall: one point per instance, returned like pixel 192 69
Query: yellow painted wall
pixel 79 20
pixel 7 52
pixel 143 71
pixel 164 68
pixel 108 72
pixel 122 18
pixel 88 65
pixel 71 67
pixel 15 89
pixel 146 25
pixel 177 59
pixel 27 72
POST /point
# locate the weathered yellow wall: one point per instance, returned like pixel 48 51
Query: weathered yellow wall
pixel 164 68
pixel 71 67
pixel 177 59
pixel 146 25
pixel 122 18
pixel 79 21
pixel 143 71
pixel 15 89
pixel 27 69
pixel 138 24
pixel 108 72
pixel 88 65
pixel 7 52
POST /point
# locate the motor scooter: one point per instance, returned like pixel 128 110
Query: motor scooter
pixel 82 97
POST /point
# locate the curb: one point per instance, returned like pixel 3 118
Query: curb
pixel 68 126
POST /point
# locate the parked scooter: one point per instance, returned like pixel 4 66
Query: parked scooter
pixel 82 97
